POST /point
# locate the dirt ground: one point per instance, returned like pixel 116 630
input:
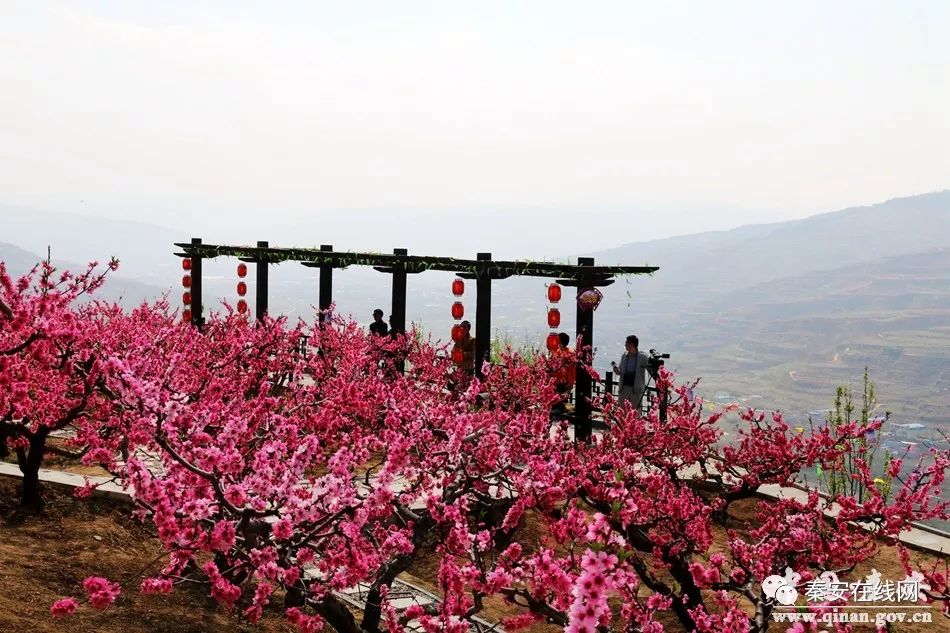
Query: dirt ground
pixel 44 558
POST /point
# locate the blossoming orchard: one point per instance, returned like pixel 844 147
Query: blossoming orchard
pixel 283 464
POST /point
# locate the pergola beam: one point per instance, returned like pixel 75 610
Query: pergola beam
pixel 495 269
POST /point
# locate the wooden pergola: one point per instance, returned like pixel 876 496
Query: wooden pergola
pixel 483 270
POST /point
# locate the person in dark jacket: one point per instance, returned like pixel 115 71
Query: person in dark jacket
pixel 378 326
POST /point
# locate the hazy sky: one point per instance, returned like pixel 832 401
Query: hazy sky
pixel 408 124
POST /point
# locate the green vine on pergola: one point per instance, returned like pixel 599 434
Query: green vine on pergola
pixel 313 257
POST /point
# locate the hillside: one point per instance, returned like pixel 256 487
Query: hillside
pixel 794 340
pixel 143 249
pixel 125 291
pixel 758 253
pixel 791 310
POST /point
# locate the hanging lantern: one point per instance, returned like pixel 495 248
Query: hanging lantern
pixel 553 341
pixel 458 287
pixel 186 315
pixel 186 263
pixel 241 288
pixel 242 270
pixel 457 356
pixel 589 298
pixel 458 333
pixel 186 281
pixel 458 310
pixel 186 298
pixel 554 317
pixel 554 293
pixel 242 306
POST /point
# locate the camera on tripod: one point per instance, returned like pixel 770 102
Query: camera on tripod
pixel 654 363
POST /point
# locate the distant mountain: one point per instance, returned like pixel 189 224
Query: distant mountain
pixel 789 311
pixel 758 253
pixel 128 292
pixel 911 283
pixel 144 249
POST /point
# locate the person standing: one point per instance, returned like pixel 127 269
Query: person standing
pixel 564 363
pixel 632 371
pixel 378 326
pixel 467 347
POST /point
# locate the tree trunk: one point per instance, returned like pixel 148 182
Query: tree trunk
pixel 337 615
pixel 373 612
pixel 30 461
pixel 688 590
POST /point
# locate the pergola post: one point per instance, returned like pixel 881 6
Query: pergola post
pixel 261 289
pixel 482 313
pixel 585 340
pixel 326 284
pixel 196 314
pixel 397 319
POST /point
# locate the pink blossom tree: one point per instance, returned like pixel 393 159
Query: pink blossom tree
pixel 50 363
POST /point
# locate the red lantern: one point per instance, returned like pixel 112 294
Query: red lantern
pixel 554 293
pixel 553 342
pixel 241 288
pixel 242 306
pixel 457 333
pixel 186 263
pixel 457 356
pixel 242 270
pixel 458 287
pixel 186 315
pixel 186 298
pixel 458 310
pixel 554 317
pixel 186 281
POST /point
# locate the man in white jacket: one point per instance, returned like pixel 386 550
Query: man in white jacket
pixel 632 373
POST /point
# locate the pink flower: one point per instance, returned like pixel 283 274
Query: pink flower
pixel 156 585
pixel 894 467
pixel 236 496
pixel 100 592
pixel 64 607
pixel 85 491
pixel 225 592
pixel 282 530
pixel 304 623
pixel 222 536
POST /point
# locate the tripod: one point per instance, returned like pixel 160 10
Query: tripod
pixel 652 395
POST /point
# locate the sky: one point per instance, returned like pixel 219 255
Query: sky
pixel 525 128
